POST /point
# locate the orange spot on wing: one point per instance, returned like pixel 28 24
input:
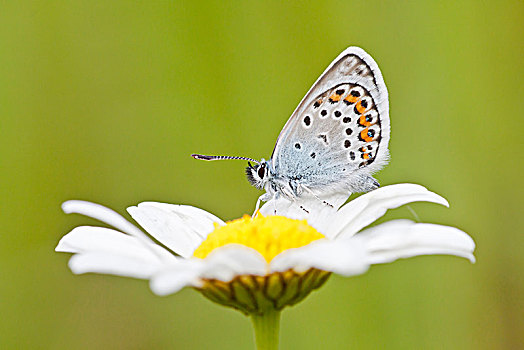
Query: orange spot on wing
pixel 351 99
pixel 364 135
pixel 335 98
pixel 360 108
pixel 362 120
pixel 366 155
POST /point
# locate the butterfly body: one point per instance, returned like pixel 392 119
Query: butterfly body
pixel 335 139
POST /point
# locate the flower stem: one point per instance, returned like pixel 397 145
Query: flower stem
pixel 266 326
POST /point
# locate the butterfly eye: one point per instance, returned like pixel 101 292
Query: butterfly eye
pixel 261 171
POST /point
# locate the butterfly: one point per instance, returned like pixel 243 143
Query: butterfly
pixel 334 141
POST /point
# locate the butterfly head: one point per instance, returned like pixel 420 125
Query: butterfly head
pixel 258 174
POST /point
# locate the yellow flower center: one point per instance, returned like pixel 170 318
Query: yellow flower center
pixel 269 235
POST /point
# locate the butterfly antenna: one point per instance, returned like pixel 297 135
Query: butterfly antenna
pixel 204 157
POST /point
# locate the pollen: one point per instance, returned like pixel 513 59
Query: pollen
pixel 268 235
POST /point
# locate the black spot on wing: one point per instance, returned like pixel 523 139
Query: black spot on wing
pixel 307 120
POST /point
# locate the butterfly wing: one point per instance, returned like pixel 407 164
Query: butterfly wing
pixel 339 133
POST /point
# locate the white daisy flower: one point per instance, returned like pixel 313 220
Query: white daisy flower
pixel 210 251
pixel 256 265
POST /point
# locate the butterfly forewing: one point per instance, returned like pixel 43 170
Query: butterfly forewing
pixel 341 127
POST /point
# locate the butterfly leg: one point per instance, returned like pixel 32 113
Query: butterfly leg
pixel 265 197
pixel 299 205
pixel 317 197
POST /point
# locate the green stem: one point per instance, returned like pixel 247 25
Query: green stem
pixel 266 328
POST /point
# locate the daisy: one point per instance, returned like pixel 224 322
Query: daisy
pixel 257 265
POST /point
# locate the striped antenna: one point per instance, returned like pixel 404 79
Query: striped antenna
pixel 204 157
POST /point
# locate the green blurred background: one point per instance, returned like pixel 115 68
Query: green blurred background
pixel 105 100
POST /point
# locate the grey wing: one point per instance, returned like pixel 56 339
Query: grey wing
pixel 339 133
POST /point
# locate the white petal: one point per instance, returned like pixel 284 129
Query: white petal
pixel 174 278
pixel 223 264
pixel 181 228
pixel 229 261
pixel 403 239
pixel 367 208
pixel 346 258
pixel 113 265
pixel 89 239
pixel 99 212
